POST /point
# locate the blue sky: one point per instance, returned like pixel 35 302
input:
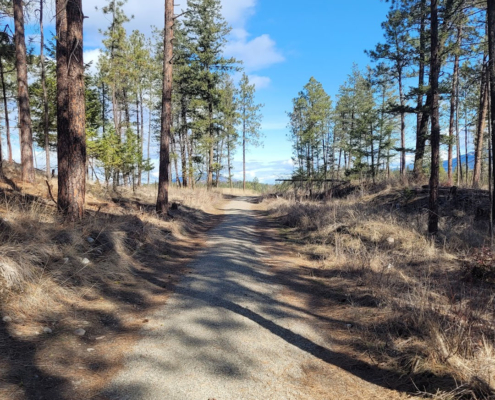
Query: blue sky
pixel 320 38
pixel 282 43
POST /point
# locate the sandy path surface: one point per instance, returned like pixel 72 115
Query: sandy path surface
pixel 225 334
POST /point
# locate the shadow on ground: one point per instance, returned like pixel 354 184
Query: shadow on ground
pixel 61 365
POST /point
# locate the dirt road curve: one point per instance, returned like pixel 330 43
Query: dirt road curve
pixel 226 335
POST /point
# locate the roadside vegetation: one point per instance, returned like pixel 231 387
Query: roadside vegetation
pixel 419 307
pixel 74 295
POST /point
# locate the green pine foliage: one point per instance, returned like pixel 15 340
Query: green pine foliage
pixel 249 118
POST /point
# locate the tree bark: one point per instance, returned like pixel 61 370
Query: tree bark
pixel 402 128
pixel 150 115
pixel 176 161
pixel 140 140
pixel 62 89
pixel 190 150
pixel 480 127
pixel 422 126
pixel 6 110
pixel 26 137
pixel 71 113
pixel 466 154
pixel 458 138
pixel 183 141
pixel 433 217
pixel 209 182
pixel 244 151
pixel 491 71
pixel 229 161
pixel 453 102
pixel 141 105
pixel 45 96
pixel 166 115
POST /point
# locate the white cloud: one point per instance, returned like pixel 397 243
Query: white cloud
pixel 258 53
pixel 260 82
pixel 91 56
pixel 236 12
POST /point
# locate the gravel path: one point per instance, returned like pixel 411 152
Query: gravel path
pixel 223 334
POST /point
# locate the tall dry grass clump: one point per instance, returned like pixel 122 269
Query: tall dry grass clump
pixel 431 315
pixel 47 266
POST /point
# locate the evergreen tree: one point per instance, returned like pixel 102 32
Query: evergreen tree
pixel 397 50
pixel 7 57
pixel 249 118
pixel 310 126
pixel 43 124
pixel 230 121
pixel 71 120
pixel 166 114
pixel 25 133
pixel 207 31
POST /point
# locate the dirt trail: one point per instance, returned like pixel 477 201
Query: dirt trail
pixel 226 333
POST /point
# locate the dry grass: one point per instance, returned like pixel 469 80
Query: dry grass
pixel 415 309
pixel 101 274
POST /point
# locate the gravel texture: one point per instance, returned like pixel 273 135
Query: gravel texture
pixel 223 334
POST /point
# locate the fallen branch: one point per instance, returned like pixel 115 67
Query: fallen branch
pixel 50 192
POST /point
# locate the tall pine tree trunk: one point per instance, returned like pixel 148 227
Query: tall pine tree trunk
pixel 183 140
pixel 176 161
pixel 402 128
pixel 209 182
pixel 142 136
pixel 433 217
pixel 453 102
pixel 244 151
pixel 45 95
pixel 26 137
pixel 72 130
pixel 6 110
pixel 491 71
pixel 148 144
pixel 229 161
pixel 140 141
pixel 166 115
pixel 466 154
pixel 458 138
pixel 480 127
pixel 422 126
pixel 62 90
pixel 190 150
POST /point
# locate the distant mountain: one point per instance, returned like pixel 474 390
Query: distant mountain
pixel 470 157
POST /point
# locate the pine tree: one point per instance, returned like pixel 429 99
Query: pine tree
pixel 207 30
pixel 44 125
pixel 491 71
pixel 46 115
pixel 184 83
pixel 230 120
pixel 398 51
pixel 26 137
pixel 249 118
pixel 310 122
pixel 71 122
pixel 435 120
pixel 166 115
pixel 7 57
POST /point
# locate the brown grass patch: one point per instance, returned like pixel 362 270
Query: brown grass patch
pixel 409 308
pixel 105 275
